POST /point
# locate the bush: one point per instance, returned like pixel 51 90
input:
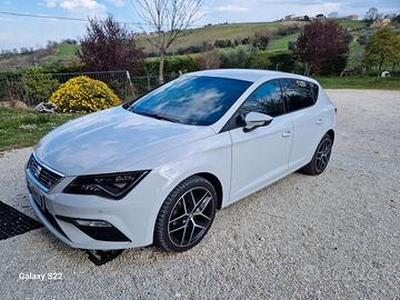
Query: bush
pixel 173 64
pixel 259 60
pixel 208 60
pixel 83 94
pixel 235 58
pixel 283 61
pixel 38 85
pixel 223 44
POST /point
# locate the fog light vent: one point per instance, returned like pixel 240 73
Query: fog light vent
pixel 97 229
pixel 93 223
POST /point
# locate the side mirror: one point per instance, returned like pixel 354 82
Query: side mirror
pixel 255 119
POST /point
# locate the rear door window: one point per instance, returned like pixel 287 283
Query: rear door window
pixel 299 93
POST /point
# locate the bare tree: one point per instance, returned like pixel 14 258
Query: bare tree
pixel 168 19
pixel 372 14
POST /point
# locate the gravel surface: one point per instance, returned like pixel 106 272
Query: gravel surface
pixel 332 236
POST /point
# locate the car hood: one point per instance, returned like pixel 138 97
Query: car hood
pixel 112 140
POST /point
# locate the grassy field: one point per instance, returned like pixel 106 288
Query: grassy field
pixel 360 82
pixel 243 30
pixel 66 50
pixel 227 32
pixel 22 128
pixel 281 44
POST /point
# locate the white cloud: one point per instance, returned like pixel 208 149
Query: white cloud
pixel 117 3
pixel 233 8
pixel 74 5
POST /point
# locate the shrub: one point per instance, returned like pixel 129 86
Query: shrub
pixel 223 44
pixel 38 85
pixel 173 64
pixel 259 60
pixel 235 58
pixel 83 94
pixel 208 60
pixel 283 61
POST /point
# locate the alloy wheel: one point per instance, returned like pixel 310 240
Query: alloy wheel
pixel 323 154
pixel 191 217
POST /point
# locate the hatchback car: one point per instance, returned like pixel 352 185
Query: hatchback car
pixel 155 171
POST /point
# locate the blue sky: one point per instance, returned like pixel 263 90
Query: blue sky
pixel 17 32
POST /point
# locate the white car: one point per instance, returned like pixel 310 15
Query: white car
pixel 155 171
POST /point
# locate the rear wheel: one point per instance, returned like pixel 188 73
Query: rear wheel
pixel 321 157
pixel 186 215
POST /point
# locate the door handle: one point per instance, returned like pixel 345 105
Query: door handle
pixel 286 134
pixel 319 121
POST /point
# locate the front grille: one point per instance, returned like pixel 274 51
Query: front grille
pixel 45 176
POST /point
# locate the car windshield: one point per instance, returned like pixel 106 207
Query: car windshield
pixel 193 100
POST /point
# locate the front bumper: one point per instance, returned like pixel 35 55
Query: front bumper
pixel 133 217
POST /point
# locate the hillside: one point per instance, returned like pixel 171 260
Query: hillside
pixel 65 53
pixel 238 31
pixel 60 54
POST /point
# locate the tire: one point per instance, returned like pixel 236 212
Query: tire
pixel 186 215
pixel 321 157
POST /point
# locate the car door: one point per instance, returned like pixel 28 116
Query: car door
pixel 260 156
pixel 300 96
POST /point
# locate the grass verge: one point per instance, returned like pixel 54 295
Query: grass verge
pixel 360 82
pixel 22 128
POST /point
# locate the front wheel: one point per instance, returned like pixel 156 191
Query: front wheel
pixel 186 215
pixel 321 157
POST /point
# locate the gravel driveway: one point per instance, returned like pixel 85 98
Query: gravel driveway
pixel 332 236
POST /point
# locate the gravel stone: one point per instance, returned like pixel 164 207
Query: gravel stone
pixel 332 236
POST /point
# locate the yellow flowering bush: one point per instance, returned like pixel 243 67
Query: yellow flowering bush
pixel 83 94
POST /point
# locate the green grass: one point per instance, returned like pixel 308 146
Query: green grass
pixel 360 82
pixel 22 128
pixel 66 50
pixel 354 24
pixel 281 44
pixel 226 32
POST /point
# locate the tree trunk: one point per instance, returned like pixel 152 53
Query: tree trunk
pixel 380 68
pixel 307 69
pixel 161 69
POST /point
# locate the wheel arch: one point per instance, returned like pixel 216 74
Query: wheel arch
pixel 216 184
pixel 331 134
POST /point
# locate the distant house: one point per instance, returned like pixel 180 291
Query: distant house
pixel 380 23
pixel 289 18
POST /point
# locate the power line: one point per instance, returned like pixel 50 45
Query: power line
pixel 14 14
pixel 42 16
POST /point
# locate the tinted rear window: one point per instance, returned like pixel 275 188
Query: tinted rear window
pixel 300 93
pixel 193 100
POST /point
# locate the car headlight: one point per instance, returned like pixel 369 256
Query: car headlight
pixel 113 186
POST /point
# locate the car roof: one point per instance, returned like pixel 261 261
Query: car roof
pixel 249 74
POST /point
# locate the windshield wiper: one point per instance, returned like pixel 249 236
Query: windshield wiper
pixel 156 116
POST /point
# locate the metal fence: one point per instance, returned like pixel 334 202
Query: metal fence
pixel 13 86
